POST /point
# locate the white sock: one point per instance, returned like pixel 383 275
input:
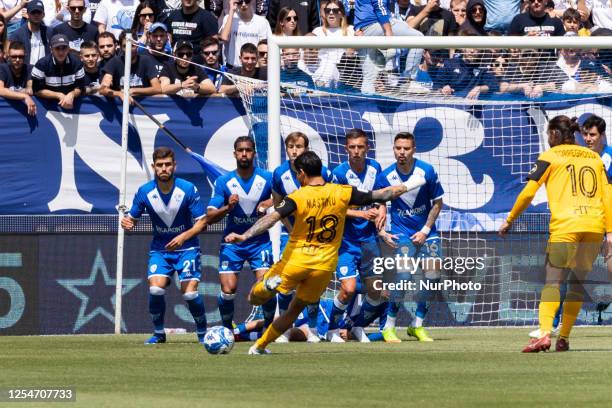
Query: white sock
pixel 390 323
pixel 417 322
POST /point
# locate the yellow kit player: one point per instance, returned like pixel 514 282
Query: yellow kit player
pixel 580 202
pixel 310 257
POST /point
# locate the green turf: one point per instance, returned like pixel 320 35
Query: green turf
pixel 462 368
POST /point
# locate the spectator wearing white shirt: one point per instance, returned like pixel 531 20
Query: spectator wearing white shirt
pixel 335 24
pixel 239 27
pixel 601 13
pixel 115 15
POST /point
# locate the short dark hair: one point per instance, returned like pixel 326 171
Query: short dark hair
pixel 596 121
pixel 294 136
pixel 162 153
pixel 107 34
pixel 355 133
pixel 208 41
pixel 242 139
pixel 16 45
pixel 404 135
pixel 249 48
pixel 89 44
pixel 571 14
pixel 310 163
pixel 264 41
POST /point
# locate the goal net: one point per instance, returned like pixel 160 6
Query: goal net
pixel 479 113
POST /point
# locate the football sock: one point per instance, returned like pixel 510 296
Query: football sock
pixel 313 314
pixel 337 311
pixel 157 308
pixel 268 337
pixel 549 303
pixel 370 309
pixel 269 309
pixel 196 307
pixel 571 308
pixel 283 302
pixel 226 308
pixel 392 311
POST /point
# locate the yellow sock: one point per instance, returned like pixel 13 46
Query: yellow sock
pixel 571 308
pixel 268 337
pixel 549 303
pixel 259 293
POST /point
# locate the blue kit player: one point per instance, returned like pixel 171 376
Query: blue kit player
pixel 359 245
pixel 413 226
pixel 239 194
pixel 172 204
pixel 285 182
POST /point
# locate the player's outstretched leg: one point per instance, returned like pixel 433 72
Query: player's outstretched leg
pixel 157 310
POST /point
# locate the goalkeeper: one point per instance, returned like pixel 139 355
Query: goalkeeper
pixel 580 202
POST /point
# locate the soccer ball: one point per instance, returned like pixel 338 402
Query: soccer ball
pixel 218 340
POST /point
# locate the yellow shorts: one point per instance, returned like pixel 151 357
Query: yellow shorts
pixel 576 250
pixel 309 284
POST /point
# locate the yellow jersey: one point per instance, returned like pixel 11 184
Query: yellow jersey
pixel 575 179
pixel 320 214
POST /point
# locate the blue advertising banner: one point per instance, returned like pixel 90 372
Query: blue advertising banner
pixel 68 162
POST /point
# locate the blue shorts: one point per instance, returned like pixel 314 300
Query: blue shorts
pixel 357 259
pixel 232 257
pixel 185 263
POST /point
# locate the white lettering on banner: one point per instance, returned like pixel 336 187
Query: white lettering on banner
pixel 82 134
pixel 462 191
pixel 218 150
pixel 17 302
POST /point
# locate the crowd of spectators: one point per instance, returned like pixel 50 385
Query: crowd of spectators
pixel 62 49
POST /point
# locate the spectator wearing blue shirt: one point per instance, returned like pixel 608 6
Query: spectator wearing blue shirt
pixel 373 18
pixel 15 79
pixel 59 75
pixel 500 13
pixel 463 76
pixel 291 74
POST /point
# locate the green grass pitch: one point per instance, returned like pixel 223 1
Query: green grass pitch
pixel 462 368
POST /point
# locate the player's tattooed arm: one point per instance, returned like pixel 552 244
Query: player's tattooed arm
pixel 419 237
pixel 262 225
pixel 277 199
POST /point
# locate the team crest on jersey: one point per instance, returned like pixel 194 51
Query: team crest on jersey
pixel 259 186
pixel 404 250
pixel 343 270
pixel 224 264
pixel 153 268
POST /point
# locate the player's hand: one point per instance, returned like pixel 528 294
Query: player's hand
pixel 176 243
pixel 232 201
pixel 389 239
pixel 370 214
pixel 234 238
pixel 127 223
pixel 418 238
pixel 263 207
pixel 505 227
